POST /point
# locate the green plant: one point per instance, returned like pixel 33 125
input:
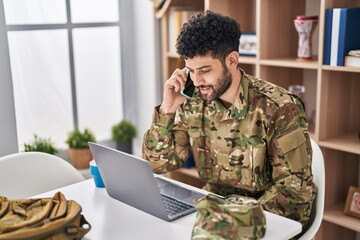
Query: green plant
pixel 78 139
pixel 41 145
pixel 124 131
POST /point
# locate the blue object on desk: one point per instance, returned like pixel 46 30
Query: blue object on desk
pixel 189 163
pixel 94 170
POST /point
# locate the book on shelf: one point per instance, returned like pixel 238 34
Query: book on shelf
pixel 355 52
pixel 342 34
pixel 177 17
pixel 352 61
pixel 335 31
pixel 327 36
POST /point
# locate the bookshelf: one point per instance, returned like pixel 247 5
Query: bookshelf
pixel 332 92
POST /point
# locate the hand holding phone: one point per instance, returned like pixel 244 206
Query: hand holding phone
pixel 189 86
pixel 173 95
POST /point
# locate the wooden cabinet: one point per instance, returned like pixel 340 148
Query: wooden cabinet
pixel 332 95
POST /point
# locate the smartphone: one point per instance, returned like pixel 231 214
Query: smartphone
pixel 189 86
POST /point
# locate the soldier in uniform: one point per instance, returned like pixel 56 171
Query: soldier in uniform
pixel 248 136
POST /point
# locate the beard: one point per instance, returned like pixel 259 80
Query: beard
pixel 222 85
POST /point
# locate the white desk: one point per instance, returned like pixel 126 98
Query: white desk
pixel 112 220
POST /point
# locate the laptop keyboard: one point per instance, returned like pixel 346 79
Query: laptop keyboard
pixel 174 206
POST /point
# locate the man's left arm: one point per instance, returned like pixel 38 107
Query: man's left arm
pixel 290 154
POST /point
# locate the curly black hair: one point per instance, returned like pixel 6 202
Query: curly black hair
pixel 208 33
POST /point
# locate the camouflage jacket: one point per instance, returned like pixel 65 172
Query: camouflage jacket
pixel 259 147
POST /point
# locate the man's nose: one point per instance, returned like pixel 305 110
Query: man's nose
pixel 197 79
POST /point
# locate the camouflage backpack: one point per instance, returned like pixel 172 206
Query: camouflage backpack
pixel 233 217
pixel 42 218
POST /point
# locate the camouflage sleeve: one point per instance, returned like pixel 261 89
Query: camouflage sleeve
pixel 166 144
pixel 290 154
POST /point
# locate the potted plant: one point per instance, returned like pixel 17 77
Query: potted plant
pixel 79 151
pixel 123 133
pixel 39 144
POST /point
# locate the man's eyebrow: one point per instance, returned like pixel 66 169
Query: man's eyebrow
pixel 199 68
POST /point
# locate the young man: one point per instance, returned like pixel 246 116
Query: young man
pixel 248 136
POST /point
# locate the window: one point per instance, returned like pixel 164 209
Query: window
pixel 66 66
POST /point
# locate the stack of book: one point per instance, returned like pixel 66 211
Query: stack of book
pixel 342 34
pixel 353 59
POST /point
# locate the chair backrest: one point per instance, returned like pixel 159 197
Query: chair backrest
pixel 318 169
pixel 27 174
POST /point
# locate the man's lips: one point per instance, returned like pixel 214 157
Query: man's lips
pixel 205 89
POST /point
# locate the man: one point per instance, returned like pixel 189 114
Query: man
pixel 248 136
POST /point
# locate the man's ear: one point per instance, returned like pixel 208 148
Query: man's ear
pixel 232 60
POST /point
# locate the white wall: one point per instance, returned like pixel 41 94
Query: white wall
pixel 8 135
pixel 146 66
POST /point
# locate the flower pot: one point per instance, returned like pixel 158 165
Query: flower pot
pixel 124 146
pixel 80 157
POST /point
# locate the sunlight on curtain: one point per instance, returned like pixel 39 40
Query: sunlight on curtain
pixel 35 11
pixel 40 64
pixel 42 91
pixel 86 11
pixel 97 71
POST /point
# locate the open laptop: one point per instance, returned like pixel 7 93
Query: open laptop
pixel 130 180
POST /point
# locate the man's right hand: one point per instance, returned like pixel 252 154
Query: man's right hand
pixel 172 97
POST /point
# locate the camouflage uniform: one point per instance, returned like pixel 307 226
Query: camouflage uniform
pixel 259 147
pixel 236 217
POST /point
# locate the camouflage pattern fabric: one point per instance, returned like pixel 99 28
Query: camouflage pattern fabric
pixel 259 147
pixel 234 217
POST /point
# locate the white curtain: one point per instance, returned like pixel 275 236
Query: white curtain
pixel 40 66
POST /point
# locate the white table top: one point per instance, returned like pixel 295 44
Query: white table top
pixel 111 219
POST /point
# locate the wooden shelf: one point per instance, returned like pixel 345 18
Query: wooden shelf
pixel 347 142
pixel 290 62
pixel 242 59
pixel 247 60
pixel 341 69
pixel 335 214
pixel 331 91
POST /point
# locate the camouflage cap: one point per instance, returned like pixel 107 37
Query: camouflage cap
pixel 233 217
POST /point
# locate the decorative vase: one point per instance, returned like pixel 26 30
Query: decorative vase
pixel 124 146
pixel 305 26
pixel 80 157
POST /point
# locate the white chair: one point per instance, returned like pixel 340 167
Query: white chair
pixel 317 213
pixel 27 174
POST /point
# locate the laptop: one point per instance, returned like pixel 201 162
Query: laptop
pixel 130 180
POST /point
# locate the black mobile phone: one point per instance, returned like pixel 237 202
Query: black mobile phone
pixel 189 87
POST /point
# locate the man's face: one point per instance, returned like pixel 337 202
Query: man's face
pixel 212 78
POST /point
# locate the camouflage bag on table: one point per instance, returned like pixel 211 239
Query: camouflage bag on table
pixel 233 217
pixel 54 218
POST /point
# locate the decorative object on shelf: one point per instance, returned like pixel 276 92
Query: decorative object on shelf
pixel 298 90
pixel 79 151
pixel 248 44
pixel 39 144
pixel 305 26
pixel 123 133
pixel 352 205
